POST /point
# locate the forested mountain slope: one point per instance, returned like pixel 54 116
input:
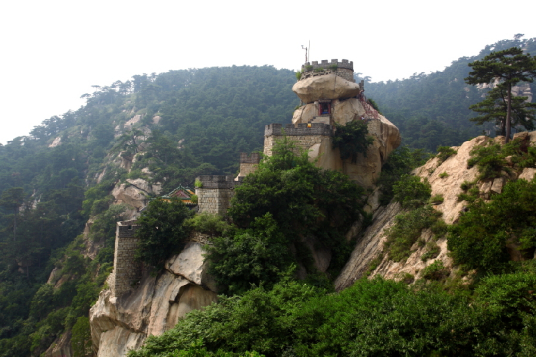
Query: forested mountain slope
pixel 433 109
pixel 56 212
pixel 188 122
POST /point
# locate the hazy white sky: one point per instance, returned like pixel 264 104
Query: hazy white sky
pixel 53 51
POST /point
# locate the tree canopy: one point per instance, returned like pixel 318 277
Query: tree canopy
pixel 502 69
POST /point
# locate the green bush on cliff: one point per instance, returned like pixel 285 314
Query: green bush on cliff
pixel 479 238
pixel 352 139
pixel 162 232
pixel 411 192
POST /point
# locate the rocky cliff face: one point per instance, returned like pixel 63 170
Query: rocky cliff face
pixel 344 108
pixel 153 306
pixel 370 243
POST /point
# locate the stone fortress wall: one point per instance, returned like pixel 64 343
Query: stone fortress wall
pixel 215 193
pixel 345 69
pixel 248 163
pixel 127 271
pixel 304 135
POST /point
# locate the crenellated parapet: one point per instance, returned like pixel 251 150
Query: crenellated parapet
pixel 303 129
pixel 214 193
pixel 216 181
pixel 344 69
pixel 253 158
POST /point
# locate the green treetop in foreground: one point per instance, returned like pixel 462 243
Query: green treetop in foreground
pixel 508 67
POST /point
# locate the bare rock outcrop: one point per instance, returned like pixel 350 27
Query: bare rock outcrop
pixel 367 168
pixel 61 346
pixel 342 112
pixel 134 194
pixel 329 86
pixel 445 179
pixel 154 306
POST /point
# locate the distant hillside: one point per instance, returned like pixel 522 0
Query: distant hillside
pixel 185 122
pixel 433 109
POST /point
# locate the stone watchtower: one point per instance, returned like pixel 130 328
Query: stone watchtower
pixel 330 96
pixel 127 270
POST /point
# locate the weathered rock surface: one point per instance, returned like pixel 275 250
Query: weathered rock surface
pixel 342 111
pixel 134 194
pixel 122 323
pixel 366 170
pixel 61 346
pixel 329 86
pixel 370 243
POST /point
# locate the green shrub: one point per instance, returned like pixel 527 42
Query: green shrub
pixel 437 199
pixel 400 162
pixel 352 139
pixel 198 183
pixel 194 199
pixel 411 192
pixel 162 232
pixel 298 75
pixel 81 338
pixel 480 236
pixel 443 175
pixel 508 296
pixel 439 227
pixel 211 224
pixel 489 160
pixel 432 252
pixel 466 185
pixel 407 230
pixel 373 104
pixel 435 271
pixel 444 152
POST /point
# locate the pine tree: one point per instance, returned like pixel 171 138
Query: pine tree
pixel 505 69
pixel 495 107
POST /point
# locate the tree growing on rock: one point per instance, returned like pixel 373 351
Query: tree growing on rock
pixel 162 232
pixel 507 67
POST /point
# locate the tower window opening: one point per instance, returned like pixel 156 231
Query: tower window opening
pixel 324 108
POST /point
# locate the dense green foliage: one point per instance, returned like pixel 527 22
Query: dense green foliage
pixel 371 318
pixel 491 158
pixel 411 191
pixel 480 238
pixel 162 231
pixel 195 122
pixel 352 139
pixel 400 162
pixel 285 202
pixel 407 229
pixel 207 117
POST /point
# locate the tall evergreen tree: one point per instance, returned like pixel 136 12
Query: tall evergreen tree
pixel 507 67
pixel 495 107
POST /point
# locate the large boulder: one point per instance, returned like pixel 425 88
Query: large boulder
pixel 156 305
pixel 342 111
pixel 329 86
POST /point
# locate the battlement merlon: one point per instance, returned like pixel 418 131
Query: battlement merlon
pixel 216 181
pixel 344 64
pixel 253 158
pixel 298 130
pixel 127 229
